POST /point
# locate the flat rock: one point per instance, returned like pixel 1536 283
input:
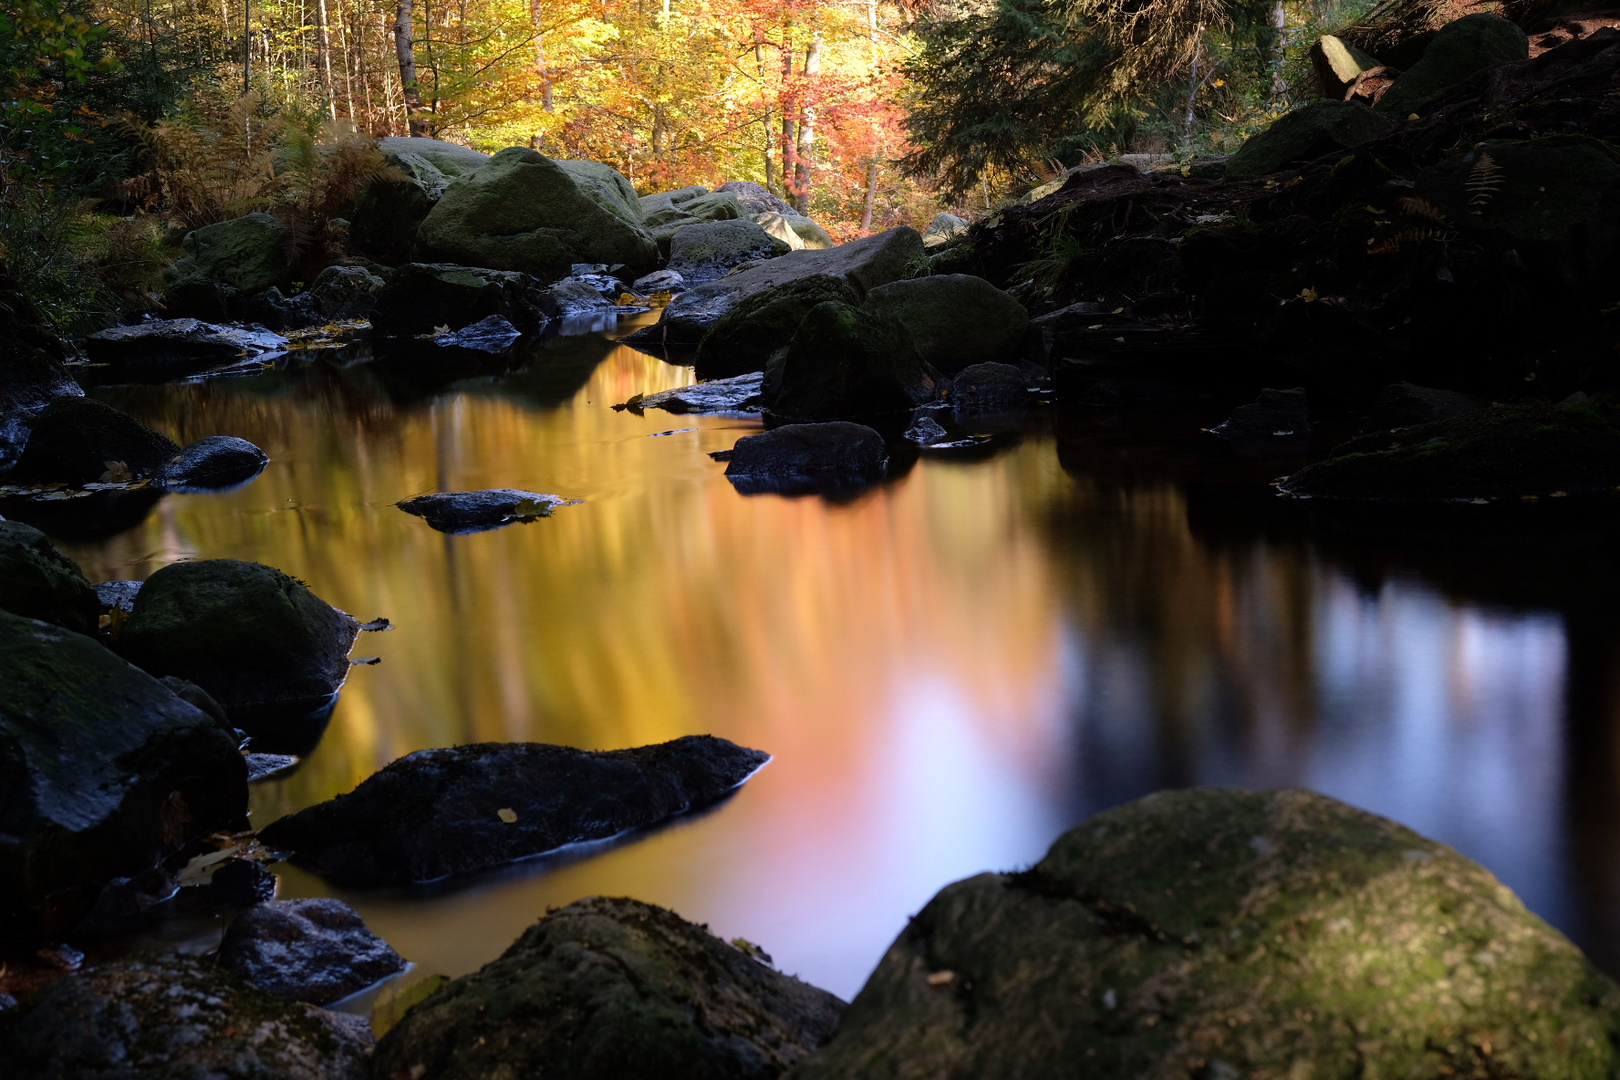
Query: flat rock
pixel 477 511
pixel 805 458
pixel 738 394
pixel 1224 933
pixel 78 441
pixel 172 348
pixel 173 1017
pixel 449 811
pixel 491 334
pixel 39 582
pixel 316 949
pixel 218 461
pixel 1276 424
pixel 611 989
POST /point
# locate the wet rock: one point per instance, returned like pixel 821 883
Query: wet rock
pixel 579 296
pixel 955 319
pixel 346 292
pixel 259 642
pixel 1402 405
pixel 39 582
pixel 614 989
pixel 317 950
pixel 1503 452
pixel 844 361
pixel 758 325
pixel 1308 132
pixel 422 297
pixel 31 371
pixel 160 349
pixel 926 431
pixel 734 395
pixel 1276 424
pixel 276 311
pixel 449 811
pixel 81 441
pixel 1226 933
pixel 711 249
pixel 1461 48
pixel 989 388
pixel 803 458
pixel 105 772
pixel 944 227
pixel 174 1016
pixel 658 281
pixel 667 213
pixel 491 334
pixel 477 511
pixel 248 254
pixel 388 212
pixel 526 212
pixel 117 595
pixel 218 461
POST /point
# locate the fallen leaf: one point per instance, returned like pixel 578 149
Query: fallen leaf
pixel 117 472
pixel 506 814
pixel 528 510
pixel 942 978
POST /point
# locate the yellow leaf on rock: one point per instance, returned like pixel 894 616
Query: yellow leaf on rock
pixel 506 814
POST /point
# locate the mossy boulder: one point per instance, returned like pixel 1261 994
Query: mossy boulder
pixel 259 642
pixel 248 253
pixel 989 388
pixel 1503 452
pixel 388 212
pixel 31 370
pixel 742 339
pixel 666 213
pixel 1223 933
pixel 1556 199
pixel 613 989
pixel 421 297
pixel 1318 128
pixel 711 249
pixel 39 582
pixel 103 772
pixel 524 211
pixel 1404 404
pixel 847 362
pixel 172 1017
pixel 346 292
pixel 77 440
pixel 1461 48
pixel 955 319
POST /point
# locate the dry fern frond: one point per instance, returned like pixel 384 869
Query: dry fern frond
pixel 1421 208
pixel 1411 234
pixel 1484 181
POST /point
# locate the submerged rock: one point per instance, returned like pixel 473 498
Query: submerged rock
pixel 105 771
pixel 78 440
pixel 844 361
pixel 1223 933
pixel 449 811
pixel 423 297
pixel 1276 424
pixel 980 389
pixel 804 458
pixel 259 642
pixel 610 989
pixel 317 950
pixel 218 461
pixel 711 249
pixel 172 348
pixel 743 339
pixel 476 511
pixel 175 1016
pixel 737 394
pixel 39 582
pixel 955 319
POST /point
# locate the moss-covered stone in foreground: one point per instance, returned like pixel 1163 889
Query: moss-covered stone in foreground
pixel 1221 933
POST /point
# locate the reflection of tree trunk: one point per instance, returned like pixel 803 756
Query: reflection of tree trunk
pixel 1592 728
pixel 405 46
pixel 323 58
pixel 807 131
pixel 871 195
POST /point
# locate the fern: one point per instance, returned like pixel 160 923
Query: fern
pixel 1422 209
pixel 1483 182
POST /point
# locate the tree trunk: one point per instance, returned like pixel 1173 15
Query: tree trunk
pixel 807 131
pixel 787 112
pixel 405 46
pixel 871 195
pixel 323 58
pixel 759 67
pixel 542 66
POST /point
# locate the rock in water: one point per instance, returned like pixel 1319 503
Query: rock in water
pixel 258 641
pixel 170 1016
pixel 756 326
pixel 423 297
pixel 1276 424
pixel 734 395
pixel 39 582
pixel 844 361
pixel 1222 933
pixel 477 511
pixel 217 461
pixel 492 334
pixel 981 389
pixel 172 348
pixel 801 458
pixel 449 811
pixel 317 950
pixel 956 319
pixel 346 292
pixel 80 441
pixel 610 989
pixel 104 772
pixel 1461 48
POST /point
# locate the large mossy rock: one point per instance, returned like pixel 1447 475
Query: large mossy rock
pixel 172 1017
pixel 845 362
pixel 422 297
pixel 613 989
pixel 1307 133
pixel 248 253
pixel 1461 48
pixel 1504 452
pixel 39 582
pixel 103 772
pixel 711 249
pixel 524 211
pixel 1221 933
pixel 388 212
pixel 955 319
pixel 1556 199
pixel 259 642
pixel 743 339
pixel 77 440
pixel 666 213
pixel 457 809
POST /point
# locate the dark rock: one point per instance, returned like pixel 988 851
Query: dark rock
pixel 989 388
pixel 248 253
pixel 421 297
pixel 389 211
pixel 844 361
pixel 711 249
pixel 1558 197
pixel 1308 132
pixel 609 989
pixel 218 461
pixel 1276 424
pixel 117 595
pixel 81 441
pixel 317 950
pixel 476 511
pixel 658 281
pixel 278 312
pixel 449 811
pixel 39 582
pixel 739 394
pixel 1503 452
pixel 955 319
pixel 926 431
pixel 1461 48
pixel 755 326
pixel 492 334
pixel 31 371
pixel 1222 933
pixel 240 883
pixel 161 349
pixel 799 458
pixel 345 292
pixel 103 772
pixel 194 695
pixel 171 1017
pixel 1402 405
pixel 577 296
pixel 266 766
pixel 259 642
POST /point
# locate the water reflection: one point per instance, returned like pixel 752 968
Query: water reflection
pixel 951 667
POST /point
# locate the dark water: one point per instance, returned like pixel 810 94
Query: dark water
pixel 950 669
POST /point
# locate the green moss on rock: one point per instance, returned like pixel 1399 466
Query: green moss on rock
pixel 39 582
pixel 1461 48
pixel 1306 133
pixel 845 361
pixel 248 253
pixel 956 319
pixel 744 337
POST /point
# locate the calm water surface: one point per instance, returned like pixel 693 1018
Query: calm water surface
pixel 950 669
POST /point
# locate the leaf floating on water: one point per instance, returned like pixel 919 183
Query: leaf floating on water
pixel 356 661
pixel 506 814
pixel 376 625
